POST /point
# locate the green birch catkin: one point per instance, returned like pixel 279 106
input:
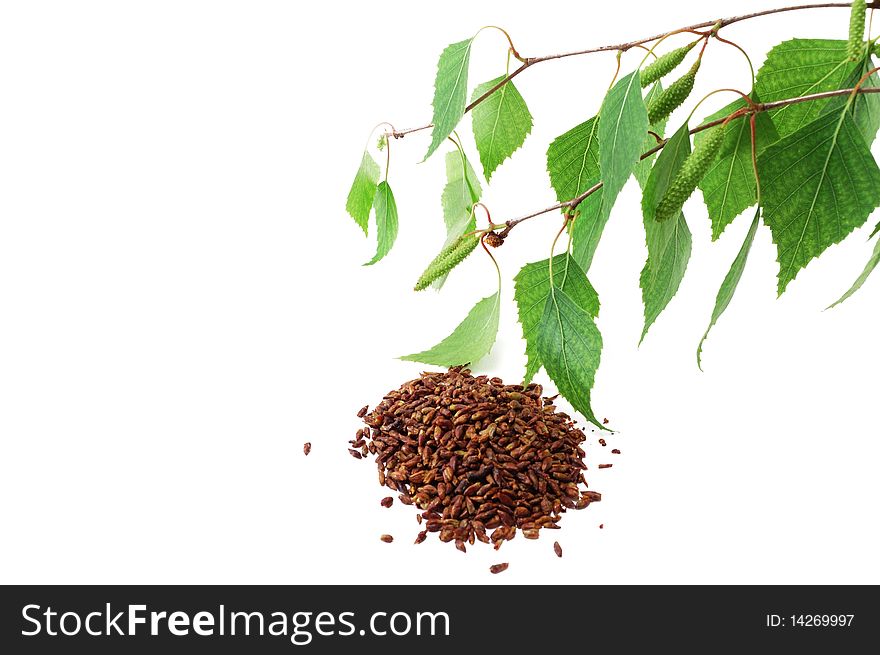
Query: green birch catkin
pixel 689 175
pixel 665 64
pixel 672 98
pixel 450 257
pixel 856 44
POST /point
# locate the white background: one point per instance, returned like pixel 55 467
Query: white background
pixel 182 305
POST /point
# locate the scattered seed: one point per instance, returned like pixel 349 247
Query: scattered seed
pixel 557 549
pixel 387 538
pixel 605 466
pixel 307 448
pixel 601 525
pixel 602 442
pixel 498 568
pixel 421 536
pixel 615 451
pixel 604 421
pixel 363 411
pixel 387 501
pixel 355 453
pixel 476 456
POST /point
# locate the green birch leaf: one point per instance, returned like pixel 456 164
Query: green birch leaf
pixel 501 123
pixel 573 160
pixel 573 165
pixel 643 168
pixel 462 190
pixel 623 123
pixel 587 228
pixel 729 187
pixel 800 67
pixel 386 221
pixel 866 107
pixel 669 242
pixel 818 185
pixel 570 348
pixel 731 280
pixel 470 341
pixel 860 280
pixel 450 91
pixel 363 190
pixel 532 291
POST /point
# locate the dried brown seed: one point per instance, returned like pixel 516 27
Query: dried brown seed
pixel 474 454
pixel 605 466
pixel 387 538
pixel 307 448
pixel 557 549
pixel 363 411
pixel 615 451
pixel 421 536
pixel 498 568
pixel 355 453
pixel 387 501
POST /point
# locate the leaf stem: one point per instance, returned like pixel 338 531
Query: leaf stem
pixel 492 257
pixel 744 53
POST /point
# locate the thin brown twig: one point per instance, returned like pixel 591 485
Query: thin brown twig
pixel 758 107
pixel 717 24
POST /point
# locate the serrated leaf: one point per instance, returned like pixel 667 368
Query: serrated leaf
pixel 462 190
pixel 573 165
pixel 669 242
pixel 729 187
pixel 643 169
pixel 501 123
pixel 533 290
pixel 800 67
pixel 586 231
pixel 730 282
pixel 386 221
pixel 470 341
pixel 570 348
pixel 573 160
pixel 818 185
pixel 362 192
pixel 860 280
pixel 623 123
pixel 450 91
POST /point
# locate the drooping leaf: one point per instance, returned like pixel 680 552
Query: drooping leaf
pixel 669 242
pixel 533 291
pixel 865 108
pixel 363 190
pixel 386 221
pixel 729 187
pixel 470 341
pixel 570 348
pixel 573 160
pixel 501 124
pixel 800 67
pixel 450 91
pixel 623 123
pixel 462 190
pixel 860 280
pixel 573 165
pixel 731 280
pixel 586 231
pixel 643 168
pixel 818 185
